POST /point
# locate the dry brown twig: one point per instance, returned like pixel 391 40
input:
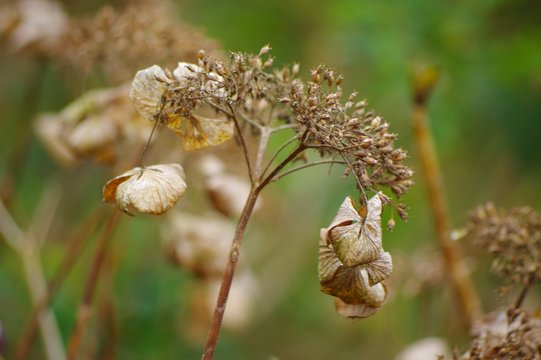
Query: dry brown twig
pixel 423 83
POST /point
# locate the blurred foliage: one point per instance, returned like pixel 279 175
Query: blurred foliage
pixel 485 116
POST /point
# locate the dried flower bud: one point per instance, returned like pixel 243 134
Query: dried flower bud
pixel 352 262
pixel 264 50
pixel 148 190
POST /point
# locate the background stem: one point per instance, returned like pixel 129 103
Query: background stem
pixel 460 279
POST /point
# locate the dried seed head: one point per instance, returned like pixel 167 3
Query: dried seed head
pixel 149 190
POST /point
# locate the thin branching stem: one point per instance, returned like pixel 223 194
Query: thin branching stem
pixel 277 152
pixel 321 162
pixel 523 293
pixel 243 144
pixel 85 308
pixel 263 143
pixel 233 258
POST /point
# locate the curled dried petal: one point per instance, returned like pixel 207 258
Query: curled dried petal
pixel 352 262
pixel 149 190
pixel 198 132
pixel 147 90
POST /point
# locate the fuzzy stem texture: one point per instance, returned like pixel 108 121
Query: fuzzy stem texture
pixel 460 279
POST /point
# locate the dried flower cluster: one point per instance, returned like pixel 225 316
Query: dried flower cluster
pixel 513 238
pixel 199 101
pixel 352 262
pixel 349 129
pixel 515 334
pixel 93 126
pixel 121 41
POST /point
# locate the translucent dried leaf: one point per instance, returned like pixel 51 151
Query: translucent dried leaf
pixel 147 91
pixel 356 240
pixel 198 132
pixel 149 190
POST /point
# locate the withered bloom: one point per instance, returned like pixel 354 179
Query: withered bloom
pixel 148 190
pixel 198 125
pixel 352 262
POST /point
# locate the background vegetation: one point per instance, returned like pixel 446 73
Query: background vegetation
pixel 485 115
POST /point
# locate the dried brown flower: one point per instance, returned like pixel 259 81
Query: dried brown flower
pixel 120 41
pixel 148 190
pixel 93 126
pixel 515 334
pixel 352 262
pixel 513 238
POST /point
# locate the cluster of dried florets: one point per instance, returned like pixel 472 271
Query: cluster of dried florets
pixel 515 334
pixel 350 130
pixel 352 262
pixel 198 101
pixel 513 238
pixel 120 41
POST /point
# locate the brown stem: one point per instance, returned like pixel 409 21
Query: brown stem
pixel 84 311
pixel 523 292
pixel 227 278
pixel 76 244
pixel 461 282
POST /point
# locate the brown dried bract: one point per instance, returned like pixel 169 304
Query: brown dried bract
pixel 352 262
pixel 149 190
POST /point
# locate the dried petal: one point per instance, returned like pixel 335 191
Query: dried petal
pixel 352 263
pixel 92 135
pixel 200 244
pixel 147 90
pixel 198 132
pixel 228 193
pixel 356 242
pixel 149 190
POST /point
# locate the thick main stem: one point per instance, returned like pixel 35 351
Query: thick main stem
pixel 462 284
pixel 227 278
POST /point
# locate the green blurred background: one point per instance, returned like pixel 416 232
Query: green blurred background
pixel 485 114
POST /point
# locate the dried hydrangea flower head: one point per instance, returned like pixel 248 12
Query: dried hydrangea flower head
pixel 118 41
pixel 513 238
pixel 147 190
pixel 350 130
pixel 352 262
pixel 197 126
pixel 514 334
